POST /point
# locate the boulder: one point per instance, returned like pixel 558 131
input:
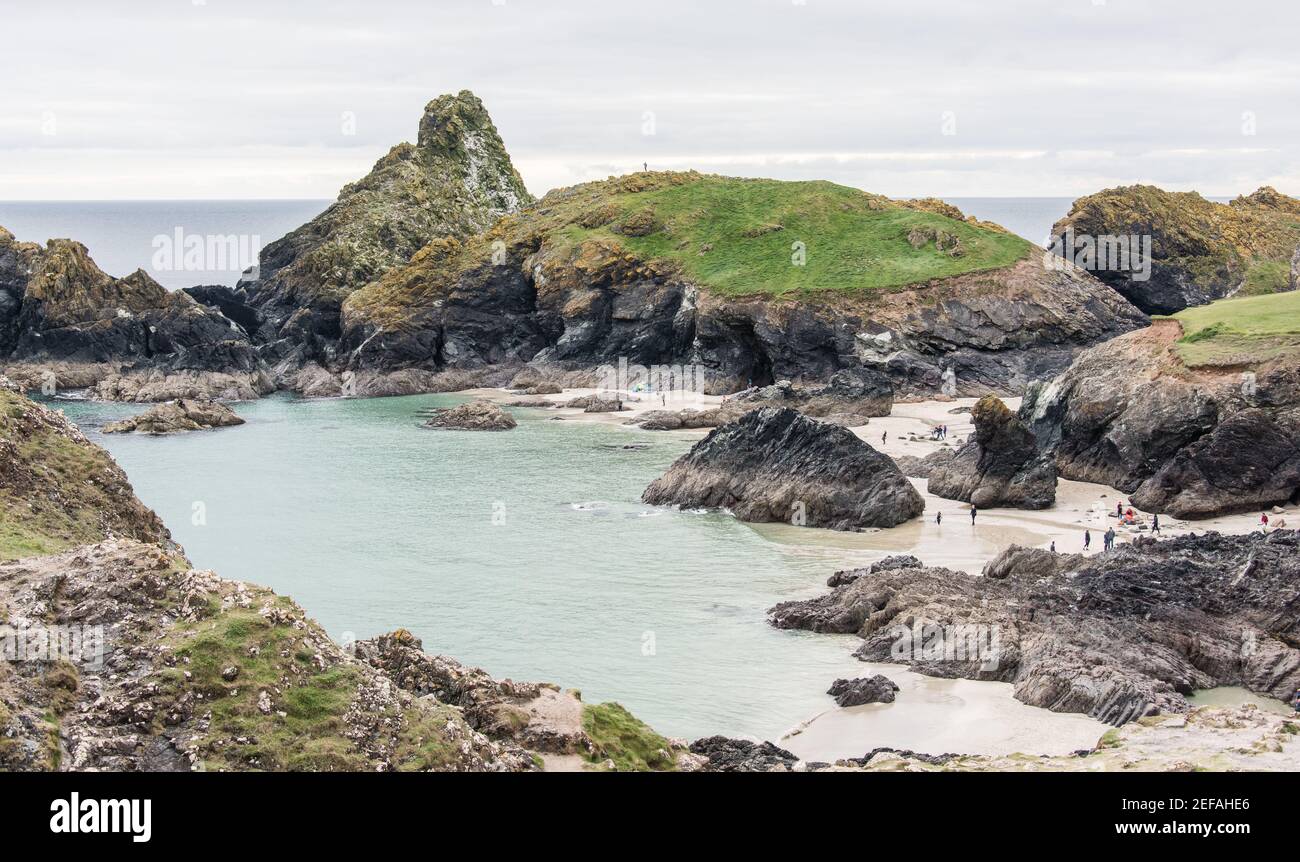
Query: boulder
pixel 856 692
pixel 471 416
pixel 774 464
pixel 176 417
pixel 1000 464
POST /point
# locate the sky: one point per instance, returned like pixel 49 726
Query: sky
pixel 228 99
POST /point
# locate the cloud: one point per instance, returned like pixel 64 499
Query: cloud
pixel 236 98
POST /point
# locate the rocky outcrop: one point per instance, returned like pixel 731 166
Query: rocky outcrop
pixel 471 416
pixel 862 391
pixel 1118 636
pixel 864 690
pixel 740 755
pixel 774 464
pixel 1200 250
pixel 999 465
pixel 57 489
pixel 455 180
pixel 1192 442
pixel 924 467
pixel 526 292
pixel 175 417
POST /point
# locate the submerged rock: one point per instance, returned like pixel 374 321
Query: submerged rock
pixel 471 416
pixel 774 464
pixel 856 692
pixel 177 417
pixel 999 466
pixel 1117 636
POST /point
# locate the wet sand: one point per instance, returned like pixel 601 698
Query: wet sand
pixel 940 715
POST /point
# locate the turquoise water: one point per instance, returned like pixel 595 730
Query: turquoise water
pixel 372 523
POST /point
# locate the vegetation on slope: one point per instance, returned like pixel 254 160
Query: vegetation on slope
pixel 626 740
pixel 57 490
pixel 734 236
pixel 1240 331
pixel 1247 243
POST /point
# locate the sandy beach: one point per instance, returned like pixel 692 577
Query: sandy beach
pixel 930 714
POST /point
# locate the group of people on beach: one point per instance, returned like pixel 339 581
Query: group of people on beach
pixel 939 432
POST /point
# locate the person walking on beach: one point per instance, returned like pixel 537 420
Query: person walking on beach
pixel 938 519
pixel 972 516
pixel 1263 521
pixel 1119 510
pixel 1155 523
pixel 1053 546
pixel 883 438
pixel 1087 539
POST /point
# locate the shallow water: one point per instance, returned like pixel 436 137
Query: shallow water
pixel 525 552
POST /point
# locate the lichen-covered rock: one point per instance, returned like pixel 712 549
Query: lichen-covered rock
pixel 471 416
pixel 999 465
pixel 1117 636
pixel 57 489
pixel 456 180
pixel 176 417
pixel 774 464
pixel 1201 250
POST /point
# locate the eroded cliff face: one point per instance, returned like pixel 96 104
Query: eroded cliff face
pixel 561 284
pixel 999 466
pixel 1193 442
pixel 774 464
pixel 1117 636
pixel 456 180
pixel 1201 250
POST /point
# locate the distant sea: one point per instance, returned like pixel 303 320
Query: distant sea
pixel 123 236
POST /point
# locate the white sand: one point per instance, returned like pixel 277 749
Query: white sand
pixel 939 715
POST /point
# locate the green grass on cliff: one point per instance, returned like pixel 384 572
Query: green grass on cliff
pixel 305 730
pixel 1240 331
pixel 625 739
pixel 739 236
pixel 48 501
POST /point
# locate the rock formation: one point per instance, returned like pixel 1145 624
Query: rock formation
pixel 471 416
pixel 998 466
pixel 1192 442
pixel 456 180
pixel 1201 250
pixel 774 464
pixel 175 417
pixel 1117 636
pixel 870 689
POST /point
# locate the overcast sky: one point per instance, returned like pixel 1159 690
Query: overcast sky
pixel 239 99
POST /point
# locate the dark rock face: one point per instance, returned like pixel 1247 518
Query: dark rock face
pixel 739 755
pixel 923 468
pixel 1201 250
pixel 1249 461
pixel 457 179
pixel 1116 636
pixel 774 464
pixel 856 692
pixel 1193 444
pixel 999 466
pixel 857 391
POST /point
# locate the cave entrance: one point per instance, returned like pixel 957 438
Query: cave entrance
pixel 759 363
